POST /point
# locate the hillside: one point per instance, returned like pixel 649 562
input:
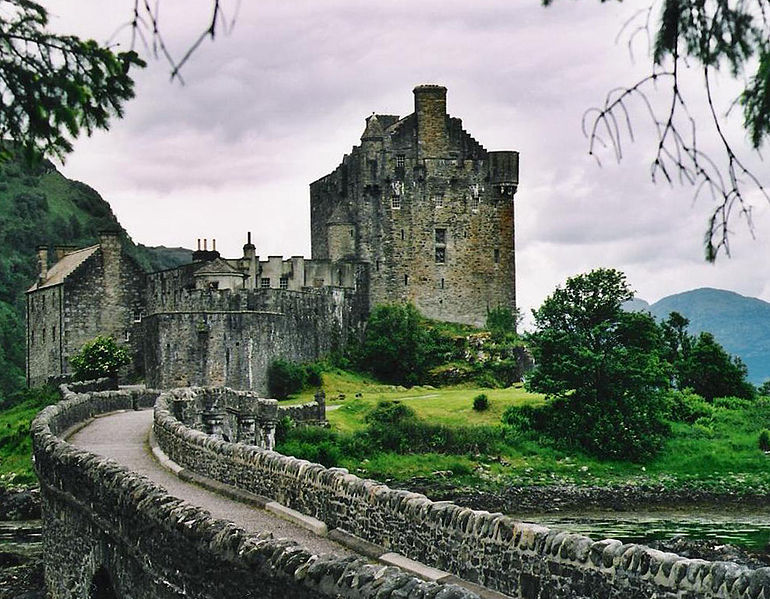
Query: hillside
pixel 40 206
pixel 741 324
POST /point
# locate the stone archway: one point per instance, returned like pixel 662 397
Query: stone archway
pixel 101 586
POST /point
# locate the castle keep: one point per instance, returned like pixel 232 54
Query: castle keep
pixel 419 212
pixel 428 208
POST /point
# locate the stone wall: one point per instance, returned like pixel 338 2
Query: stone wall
pixel 519 559
pixel 228 339
pixel 112 529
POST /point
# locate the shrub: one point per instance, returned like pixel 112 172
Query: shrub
pixel 687 406
pixel 313 372
pixel 481 402
pixel 487 380
pixel 733 403
pixel 284 378
pixel 98 358
pixel 764 440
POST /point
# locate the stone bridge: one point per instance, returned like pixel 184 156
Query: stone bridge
pixel 118 525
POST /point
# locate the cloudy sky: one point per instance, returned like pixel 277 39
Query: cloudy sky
pixel 276 102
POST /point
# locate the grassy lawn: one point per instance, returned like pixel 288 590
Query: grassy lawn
pixel 15 442
pixel 719 452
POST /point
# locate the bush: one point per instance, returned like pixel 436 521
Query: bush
pixel 764 440
pixel 284 378
pixel 100 357
pixel 733 403
pixel 481 402
pixel 687 406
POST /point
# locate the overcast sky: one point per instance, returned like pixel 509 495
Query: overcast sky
pixel 276 103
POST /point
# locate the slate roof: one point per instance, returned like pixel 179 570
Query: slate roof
pixel 65 267
pixel 218 266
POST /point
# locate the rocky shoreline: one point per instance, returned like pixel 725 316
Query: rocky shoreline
pixel 21 562
pixel 523 499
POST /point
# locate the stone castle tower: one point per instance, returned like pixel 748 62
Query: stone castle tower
pixel 428 208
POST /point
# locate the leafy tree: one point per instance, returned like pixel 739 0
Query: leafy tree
pixel 502 322
pixel 730 37
pixel 98 358
pixel 284 378
pixel 701 364
pixel 600 367
pixel 764 388
pixel 397 347
pixel 711 372
pixel 54 86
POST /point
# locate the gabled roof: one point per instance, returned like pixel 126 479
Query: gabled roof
pixel 65 267
pixel 218 266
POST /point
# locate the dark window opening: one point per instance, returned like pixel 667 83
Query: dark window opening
pixel 402 235
pixel 101 586
pixel 440 255
pixel 284 283
pixel 406 280
pixel 497 256
pixel 213 285
pixel 400 161
pixel 264 283
pixel 395 202
pixel 441 236
pixel 377 265
pixel 442 283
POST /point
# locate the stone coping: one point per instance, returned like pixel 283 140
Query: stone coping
pixel 106 492
pixel 516 558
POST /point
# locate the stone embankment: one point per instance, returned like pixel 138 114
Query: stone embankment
pixel 111 532
pixel 519 559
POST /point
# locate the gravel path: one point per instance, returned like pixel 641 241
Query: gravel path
pixel 123 436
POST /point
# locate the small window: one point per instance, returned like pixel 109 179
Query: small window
pixel 284 282
pixel 137 316
pixel 400 161
pixel 53 331
pixel 264 283
pixel 395 202
pixel 32 340
pixel 442 283
pixel 440 255
pixel 441 236
pixel 403 236
pixel 438 200
pixel 377 265
pixel 352 233
pixel 497 256
pixel 406 280
pixel 127 336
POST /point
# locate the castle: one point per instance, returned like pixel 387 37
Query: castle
pixel 418 212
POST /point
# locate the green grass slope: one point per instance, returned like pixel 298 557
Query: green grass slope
pixel 40 206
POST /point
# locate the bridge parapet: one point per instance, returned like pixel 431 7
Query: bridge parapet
pixel 519 559
pixel 113 532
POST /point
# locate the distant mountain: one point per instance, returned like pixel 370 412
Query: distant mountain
pixel 40 206
pixel 741 324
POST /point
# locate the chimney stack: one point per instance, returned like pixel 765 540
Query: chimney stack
pixel 42 263
pixel 432 131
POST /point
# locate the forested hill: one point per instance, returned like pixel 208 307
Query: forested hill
pixel 39 206
pixel 741 324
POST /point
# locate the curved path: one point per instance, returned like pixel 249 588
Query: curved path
pixel 123 436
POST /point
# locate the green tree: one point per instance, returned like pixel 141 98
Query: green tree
pixel 284 378
pixel 600 367
pixel 397 347
pixel 711 372
pixel 98 358
pixel 53 86
pixel 729 37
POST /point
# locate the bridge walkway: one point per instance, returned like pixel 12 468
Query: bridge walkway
pixel 123 436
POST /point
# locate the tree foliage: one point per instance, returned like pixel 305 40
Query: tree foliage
pixel 100 357
pixel 53 87
pixel 600 367
pixel 396 348
pixel 701 363
pixel 711 36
